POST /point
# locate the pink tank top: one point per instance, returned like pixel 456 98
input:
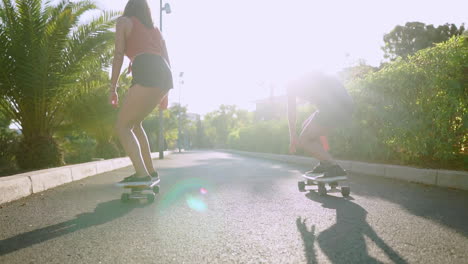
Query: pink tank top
pixel 143 40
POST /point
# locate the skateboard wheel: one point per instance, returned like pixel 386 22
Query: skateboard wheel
pixel 125 197
pixel 301 186
pixel 321 189
pixel 156 189
pixel 345 191
pixel 150 197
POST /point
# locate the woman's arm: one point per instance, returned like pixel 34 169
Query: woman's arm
pixel 119 52
pixel 164 52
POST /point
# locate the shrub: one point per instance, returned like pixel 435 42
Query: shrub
pixel 8 146
pixel 263 136
pixel 34 152
pixel 79 148
pixel 412 111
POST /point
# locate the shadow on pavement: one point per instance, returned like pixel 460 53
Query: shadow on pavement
pixel 104 212
pixel 309 239
pixel 443 206
pixel 344 241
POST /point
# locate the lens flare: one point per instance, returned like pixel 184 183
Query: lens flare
pixel 203 191
pixel 192 191
pixel 196 204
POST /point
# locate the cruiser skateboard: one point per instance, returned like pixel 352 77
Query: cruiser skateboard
pixel 139 191
pixel 339 183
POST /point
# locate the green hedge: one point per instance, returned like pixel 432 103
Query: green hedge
pixel 411 112
pixel 9 141
pixel 265 136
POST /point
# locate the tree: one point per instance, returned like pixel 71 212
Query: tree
pixel 171 123
pixel 89 111
pixel 361 70
pixel 44 52
pixel 220 123
pixel 4 122
pixel 413 36
pixel 200 140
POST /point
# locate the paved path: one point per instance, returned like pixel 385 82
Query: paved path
pixel 222 208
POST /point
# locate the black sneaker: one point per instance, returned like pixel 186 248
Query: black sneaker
pixel 134 179
pixel 334 171
pixel 319 168
pixel 154 176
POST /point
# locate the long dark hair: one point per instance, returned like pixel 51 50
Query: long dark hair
pixel 140 10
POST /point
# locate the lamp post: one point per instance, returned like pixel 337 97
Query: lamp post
pixel 179 135
pixel 167 9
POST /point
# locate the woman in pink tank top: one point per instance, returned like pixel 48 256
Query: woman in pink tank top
pixel 138 39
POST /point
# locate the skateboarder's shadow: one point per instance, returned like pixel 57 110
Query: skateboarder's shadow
pixel 344 241
pixel 104 212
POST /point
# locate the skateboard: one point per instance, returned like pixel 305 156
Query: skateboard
pixel 141 191
pixel 335 183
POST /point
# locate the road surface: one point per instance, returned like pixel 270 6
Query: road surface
pixel 216 207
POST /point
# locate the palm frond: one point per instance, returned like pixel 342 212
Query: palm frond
pixel 80 8
pixel 46 55
pixel 89 42
pixel 8 14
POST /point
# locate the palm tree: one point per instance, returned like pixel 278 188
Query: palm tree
pixel 91 113
pixel 45 50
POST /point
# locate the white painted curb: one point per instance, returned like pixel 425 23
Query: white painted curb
pixel 442 178
pixel 22 185
pixel 14 187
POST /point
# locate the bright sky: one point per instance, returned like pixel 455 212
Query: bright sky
pixel 233 51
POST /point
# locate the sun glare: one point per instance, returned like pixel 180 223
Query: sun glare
pixel 233 52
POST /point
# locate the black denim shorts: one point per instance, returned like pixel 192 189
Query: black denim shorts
pixel 152 70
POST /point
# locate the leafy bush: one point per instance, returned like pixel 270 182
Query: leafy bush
pixel 8 145
pixel 107 150
pixel 412 111
pixel 264 136
pixel 79 148
pixel 34 152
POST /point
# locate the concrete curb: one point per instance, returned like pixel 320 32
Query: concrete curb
pixel 22 185
pixel 441 178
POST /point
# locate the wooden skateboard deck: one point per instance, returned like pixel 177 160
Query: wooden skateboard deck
pixel 318 177
pixel 140 190
pixel 132 185
pixel 321 181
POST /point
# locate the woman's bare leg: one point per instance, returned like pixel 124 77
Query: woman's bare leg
pixel 139 102
pixel 140 134
pixel 309 140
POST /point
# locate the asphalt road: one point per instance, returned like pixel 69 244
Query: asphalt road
pixel 222 208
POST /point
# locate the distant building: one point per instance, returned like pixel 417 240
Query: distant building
pixel 272 108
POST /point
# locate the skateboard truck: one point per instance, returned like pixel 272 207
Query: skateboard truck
pixel 335 183
pixel 146 191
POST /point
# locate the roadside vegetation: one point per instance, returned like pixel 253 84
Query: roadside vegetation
pixel 411 110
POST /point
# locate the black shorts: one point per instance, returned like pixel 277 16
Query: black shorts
pixel 151 70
